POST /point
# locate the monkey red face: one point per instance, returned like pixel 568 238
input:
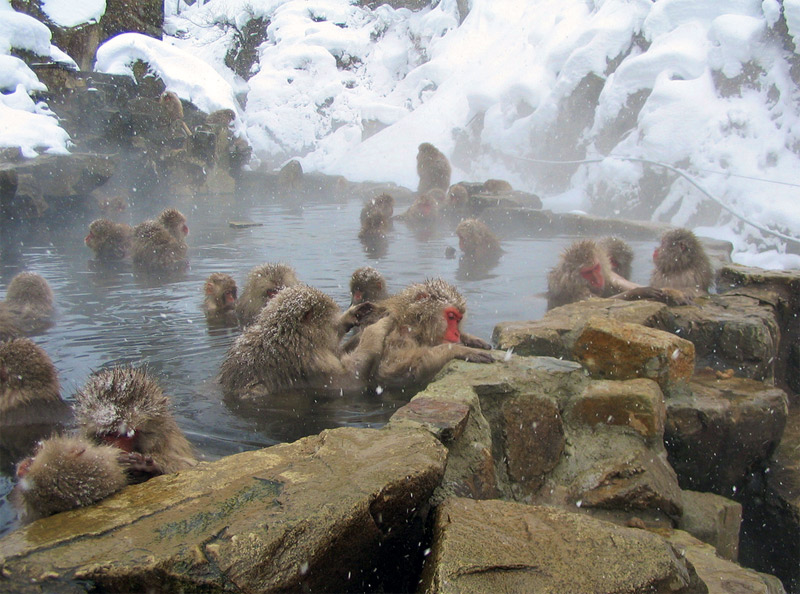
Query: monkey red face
pixel 185 229
pixel 123 442
pixel 23 467
pixel 594 276
pixel 452 316
pixel 230 297
pixel 358 297
pixel 655 254
pixel 88 238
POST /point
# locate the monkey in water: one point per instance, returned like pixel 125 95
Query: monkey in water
pixel 219 299
pixel 262 284
pixel 31 407
pixel 160 244
pixel 367 284
pixel 433 168
pixel 29 303
pixel 423 334
pixel 477 241
pixel 66 473
pixel 681 263
pixel 376 216
pixel 294 344
pixel 125 407
pixel 109 241
pixel 620 255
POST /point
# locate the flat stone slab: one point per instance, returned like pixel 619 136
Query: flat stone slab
pixel 498 546
pixel 304 516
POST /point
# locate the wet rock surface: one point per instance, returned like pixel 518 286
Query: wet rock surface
pixel 305 516
pixel 498 546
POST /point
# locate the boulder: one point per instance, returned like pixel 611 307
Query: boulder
pixel 308 516
pixel 555 334
pixel 720 575
pixel 619 350
pixel 713 519
pixel 498 546
pixel 720 430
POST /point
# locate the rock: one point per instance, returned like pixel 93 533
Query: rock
pixel 445 420
pixel 48 180
pixel 772 526
pixel 714 520
pixel 308 516
pixel 729 332
pixel 721 429
pixel 497 546
pixel 555 334
pixel 546 223
pixel 619 350
pixel 720 575
pixel 636 404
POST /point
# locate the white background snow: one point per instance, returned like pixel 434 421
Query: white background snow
pixel 702 85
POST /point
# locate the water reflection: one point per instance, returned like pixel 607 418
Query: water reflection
pixel 110 315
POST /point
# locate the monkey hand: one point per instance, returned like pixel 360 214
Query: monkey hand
pixel 676 297
pixel 139 466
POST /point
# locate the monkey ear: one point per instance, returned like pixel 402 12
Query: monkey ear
pixel 422 296
pixel 307 315
pixel 209 289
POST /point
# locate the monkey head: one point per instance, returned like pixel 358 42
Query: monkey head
pixel 367 284
pixel 122 406
pixel 175 222
pixel 432 311
pixel 220 288
pixel 584 260
pixel 27 287
pixel 678 250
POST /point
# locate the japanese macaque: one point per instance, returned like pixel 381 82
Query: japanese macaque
pixel 126 408
pixel 433 168
pixel 8 329
pixel 477 241
pixel 620 255
pixel 424 334
pixel 376 216
pixel 29 303
pixel 31 407
pixel 425 208
pixel 263 283
pixel 160 244
pixel 66 473
pixel 294 344
pixel 173 108
pixel 219 299
pixel 367 284
pixel 108 240
pixel 583 271
pixel 681 263
pixel 290 177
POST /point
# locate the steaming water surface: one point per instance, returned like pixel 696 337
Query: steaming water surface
pixel 111 315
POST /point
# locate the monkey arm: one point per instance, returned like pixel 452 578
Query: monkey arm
pixel 366 355
pixel 619 283
pixel 671 297
pixel 139 467
pixel 474 342
pixel 354 316
pixel 418 364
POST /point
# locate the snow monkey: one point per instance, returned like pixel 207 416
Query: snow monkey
pixel 125 407
pixel 31 407
pixel 29 303
pixel 66 473
pixel 433 168
pixel 367 284
pixel 425 208
pixel 108 240
pixel 262 284
pixel 160 244
pixel 294 344
pixel 681 263
pixel 477 241
pixel 424 334
pixel 173 108
pixel 620 255
pixel 376 216
pixel 219 299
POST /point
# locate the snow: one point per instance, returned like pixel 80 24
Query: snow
pixel 702 85
pixel 71 13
